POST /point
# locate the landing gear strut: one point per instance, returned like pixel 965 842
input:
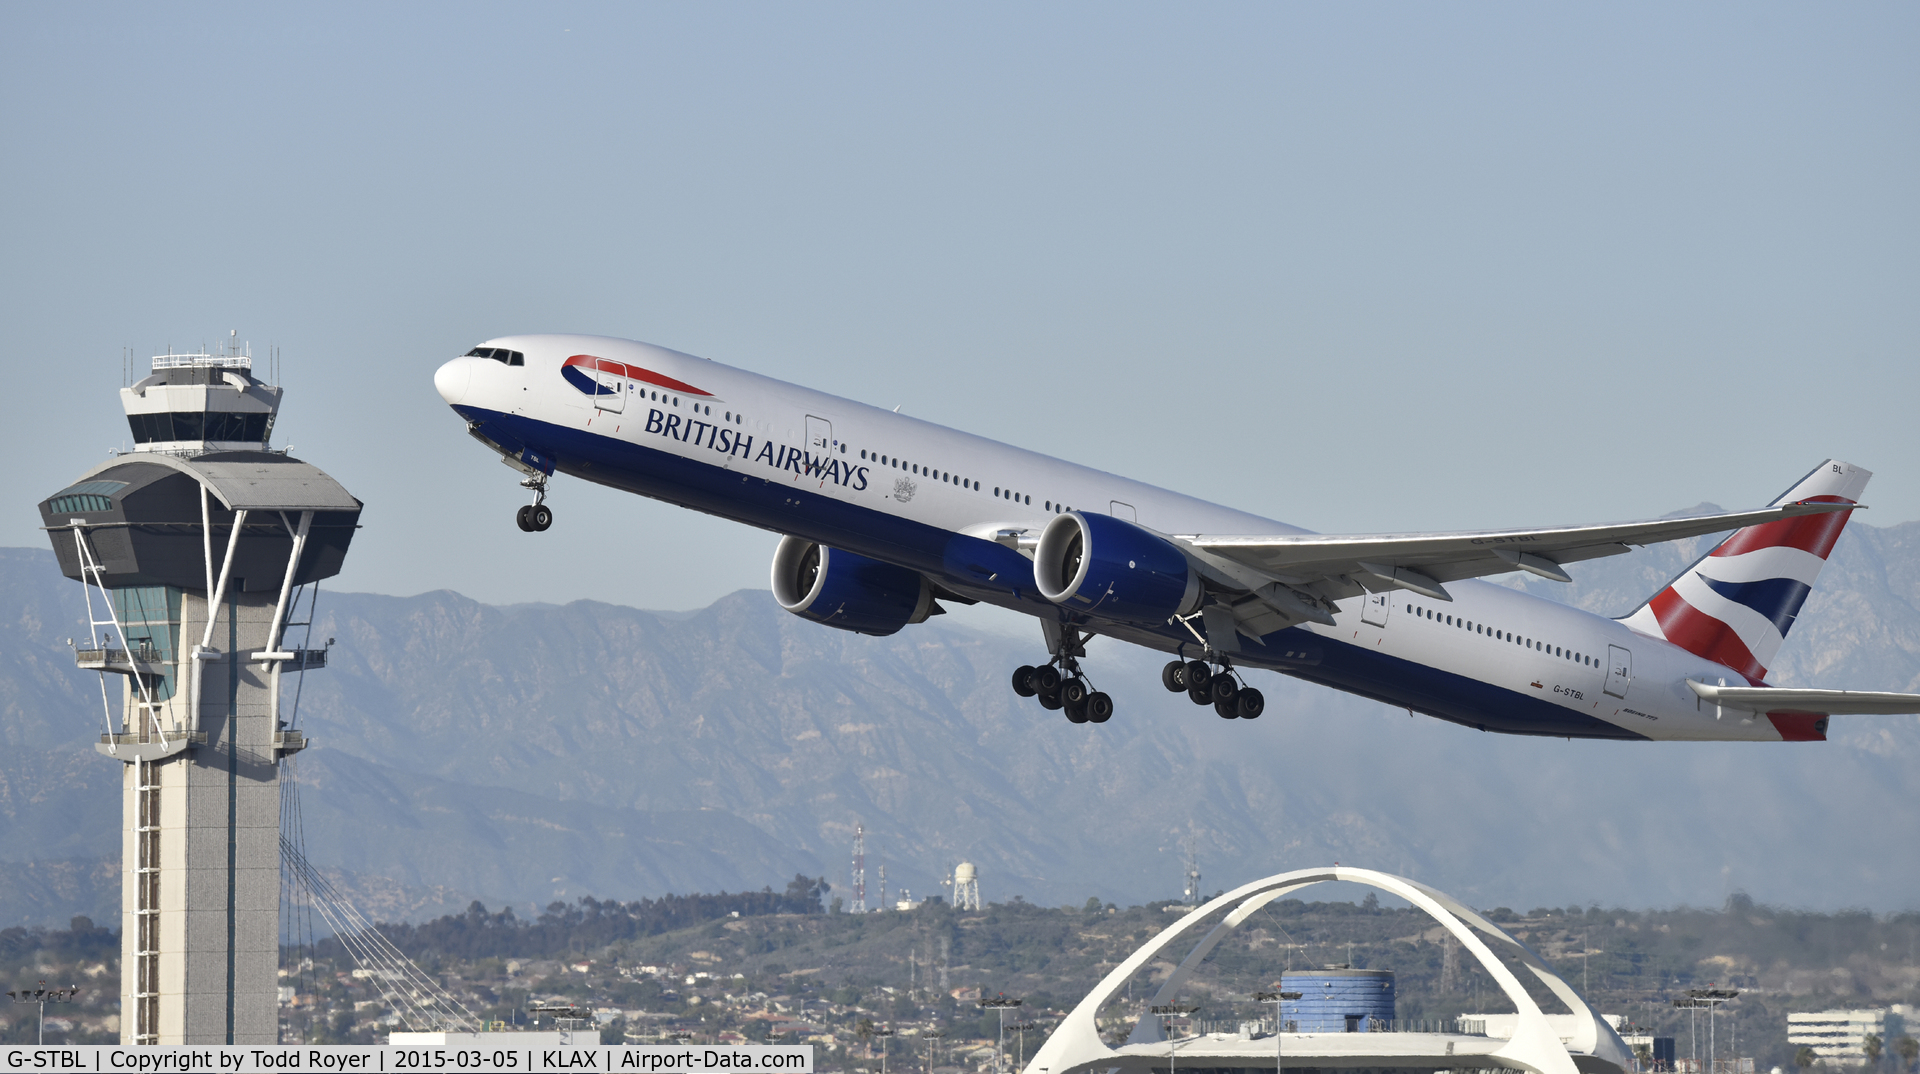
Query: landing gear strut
pixel 1060 684
pixel 536 516
pixel 1221 689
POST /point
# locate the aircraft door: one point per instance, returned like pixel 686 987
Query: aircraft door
pixel 1619 670
pixel 819 434
pixel 612 395
pixel 1122 510
pixel 1374 608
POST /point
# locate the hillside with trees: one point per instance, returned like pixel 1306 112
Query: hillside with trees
pixel 782 965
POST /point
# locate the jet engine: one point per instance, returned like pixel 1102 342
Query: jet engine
pixel 848 591
pixel 1113 569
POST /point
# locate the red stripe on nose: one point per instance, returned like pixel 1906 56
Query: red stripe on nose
pixel 634 372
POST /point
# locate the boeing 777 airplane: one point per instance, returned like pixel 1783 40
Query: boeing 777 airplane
pixel 884 516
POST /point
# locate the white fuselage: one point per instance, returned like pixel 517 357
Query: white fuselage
pixel 906 491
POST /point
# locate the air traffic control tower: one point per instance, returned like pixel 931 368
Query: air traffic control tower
pixel 193 547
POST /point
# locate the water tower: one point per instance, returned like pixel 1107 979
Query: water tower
pixel 966 887
pixel 192 548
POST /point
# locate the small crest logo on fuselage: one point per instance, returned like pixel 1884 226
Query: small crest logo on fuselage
pixel 903 490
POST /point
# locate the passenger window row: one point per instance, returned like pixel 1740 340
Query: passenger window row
pixel 1443 619
pixel 894 462
pixel 944 476
pixel 706 409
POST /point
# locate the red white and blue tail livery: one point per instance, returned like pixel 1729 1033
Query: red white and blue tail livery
pixel 883 517
pixel 1736 605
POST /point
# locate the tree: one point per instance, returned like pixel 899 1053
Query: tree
pixel 1908 1049
pixel 1873 1047
pixel 1805 1058
pixel 804 892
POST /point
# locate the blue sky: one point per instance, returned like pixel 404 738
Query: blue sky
pixel 1359 267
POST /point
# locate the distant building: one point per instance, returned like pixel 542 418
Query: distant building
pixel 1837 1036
pixel 1653 1053
pixel 564 1038
pixel 1337 999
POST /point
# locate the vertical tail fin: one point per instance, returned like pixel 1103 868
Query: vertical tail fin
pixel 1736 604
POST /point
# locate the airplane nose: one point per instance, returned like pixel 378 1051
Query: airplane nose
pixel 451 380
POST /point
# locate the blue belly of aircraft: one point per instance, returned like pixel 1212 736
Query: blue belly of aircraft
pixel 995 574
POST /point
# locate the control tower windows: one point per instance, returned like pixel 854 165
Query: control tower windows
pixel 195 425
pixel 150 617
pixel 86 496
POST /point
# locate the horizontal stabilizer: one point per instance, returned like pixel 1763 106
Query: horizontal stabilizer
pixel 1824 702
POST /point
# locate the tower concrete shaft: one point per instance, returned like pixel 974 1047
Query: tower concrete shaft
pixel 200 886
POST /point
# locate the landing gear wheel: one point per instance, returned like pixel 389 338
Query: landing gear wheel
pixel 1099 707
pixel 1227 710
pixel 1076 714
pixel 1023 681
pixel 1045 680
pixel 1199 695
pixel 1074 692
pixel 1050 702
pixel 520 518
pixel 1251 703
pixel 540 516
pixel 1223 689
pixel 1199 675
pixel 1174 677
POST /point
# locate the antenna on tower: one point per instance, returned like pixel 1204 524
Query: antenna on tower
pixel 1191 896
pixel 859 869
pixel 883 886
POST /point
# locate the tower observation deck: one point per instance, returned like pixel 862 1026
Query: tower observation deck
pixel 193 548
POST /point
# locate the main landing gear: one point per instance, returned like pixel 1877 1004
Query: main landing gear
pixel 536 516
pixel 1205 686
pixel 1061 685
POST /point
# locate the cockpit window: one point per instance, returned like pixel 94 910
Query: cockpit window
pixel 498 354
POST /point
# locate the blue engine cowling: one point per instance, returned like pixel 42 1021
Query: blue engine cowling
pixel 1112 569
pixel 847 591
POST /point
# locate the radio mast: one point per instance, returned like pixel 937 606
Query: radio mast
pixel 859 869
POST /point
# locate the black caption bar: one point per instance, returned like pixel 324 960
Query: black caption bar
pixel 493 1058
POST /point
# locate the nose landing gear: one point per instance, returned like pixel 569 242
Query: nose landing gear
pixel 1061 685
pixel 536 516
pixel 1205 686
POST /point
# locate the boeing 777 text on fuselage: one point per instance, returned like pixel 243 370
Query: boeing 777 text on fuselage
pixel 884 516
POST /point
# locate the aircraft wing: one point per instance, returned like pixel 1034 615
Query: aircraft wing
pixel 1823 702
pixel 1336 565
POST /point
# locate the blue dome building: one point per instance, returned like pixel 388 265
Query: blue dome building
pixel 1337 999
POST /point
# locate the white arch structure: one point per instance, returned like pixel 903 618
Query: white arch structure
pixel 1559 1044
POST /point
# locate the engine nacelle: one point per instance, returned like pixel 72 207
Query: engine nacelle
pixel 847 591
pixel 1113 569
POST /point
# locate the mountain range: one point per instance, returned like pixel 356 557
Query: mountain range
pixel 535 752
